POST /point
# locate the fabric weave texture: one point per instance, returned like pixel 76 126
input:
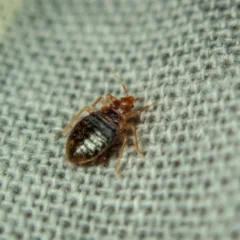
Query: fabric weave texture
pixel 55 58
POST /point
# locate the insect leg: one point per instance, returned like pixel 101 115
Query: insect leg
pixel 87 109
pixel 104 103
pixel 132 114
pixel 110 97
pixel 139 98
pixel 65 130
pixel 120 156
pixel 133 129
pixel 137 113
pixel 148 106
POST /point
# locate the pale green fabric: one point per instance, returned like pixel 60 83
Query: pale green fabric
pixel 55 59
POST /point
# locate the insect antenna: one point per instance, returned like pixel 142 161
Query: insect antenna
pixel 124 87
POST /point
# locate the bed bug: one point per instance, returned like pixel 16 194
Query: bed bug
pixel 92 137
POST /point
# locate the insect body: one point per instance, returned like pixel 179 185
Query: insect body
pixel 90 137
pixel 93 136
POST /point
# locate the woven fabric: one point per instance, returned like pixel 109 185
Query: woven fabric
pixel 55 59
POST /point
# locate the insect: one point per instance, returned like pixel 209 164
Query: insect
pixel 92 137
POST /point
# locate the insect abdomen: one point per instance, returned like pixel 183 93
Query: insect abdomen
pixel 90 137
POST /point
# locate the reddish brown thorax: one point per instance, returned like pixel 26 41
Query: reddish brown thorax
pixel 123 105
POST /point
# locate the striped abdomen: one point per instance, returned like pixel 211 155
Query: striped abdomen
pixel 90 137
